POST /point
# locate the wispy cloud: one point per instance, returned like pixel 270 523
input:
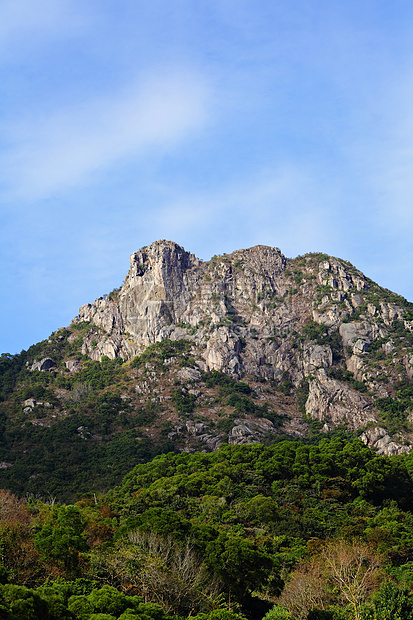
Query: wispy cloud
pixel 48 155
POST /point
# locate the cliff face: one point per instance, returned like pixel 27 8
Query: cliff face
pixel 315 323
pixel 169 293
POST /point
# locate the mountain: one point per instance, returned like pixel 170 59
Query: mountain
pixel 187 355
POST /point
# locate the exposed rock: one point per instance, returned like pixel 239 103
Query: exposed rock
pixel 189 375
pixel 44 365
pixel 388 347
pixel 211 440
pixel 357 336
pixel 241 434
pixel 30 403
pixel 316 356
pixel 249 431
pixel 41 423
pixel 84 432
pixel 194 392
pixel 355 364
pixel 334 402
pixel 390 312
pixel 244 315
pixel 4 465
pixel 73 365
pixel 195 428
pixel 166 287
pixel 379 439
pixel 408 364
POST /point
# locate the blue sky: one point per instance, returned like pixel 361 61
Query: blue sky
pixel 219 124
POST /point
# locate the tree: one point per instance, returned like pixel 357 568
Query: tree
pixel 305 590
pixel 62 539
pixel 353 568
pixel 17 553
pixel 343 572
pixel 237 561
pixel 12 509
pixel 219 614
pixel 24 603
pixel 161 570
pixel 390 603
pixel 278 613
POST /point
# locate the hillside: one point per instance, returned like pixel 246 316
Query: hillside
pixel 189 355
pixel 323 532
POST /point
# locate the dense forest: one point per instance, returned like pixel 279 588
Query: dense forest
pixel 284 531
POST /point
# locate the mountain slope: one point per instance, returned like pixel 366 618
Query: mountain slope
pixel 186 354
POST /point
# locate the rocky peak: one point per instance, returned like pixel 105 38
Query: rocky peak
pixel 314 320
pixel 167 286
pixel 157 289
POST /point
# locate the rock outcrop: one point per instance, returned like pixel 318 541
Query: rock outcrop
pixel 249 431
pixel 380 440
pixel 334 403
pixel 43 365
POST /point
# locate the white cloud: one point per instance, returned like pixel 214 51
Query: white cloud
pixel 48 155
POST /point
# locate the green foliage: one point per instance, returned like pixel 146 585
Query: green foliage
pixel 243 404
pixel 220 379
pixel 234 393
pixel 239 564
pixel 62 539
pixel 321 335
pixel 393 412
pixel 11 367
pixel 249 513
pixel 298 276
pixel 341 374
pixel 284 385
pixel 21 602
pixel 56 601
pixel 183 401
pixel 302 394
pixel 322 290
pixel 114 295
pixel 64 465
pixel 107 602
pixel 278 612
pixel 390 603
pixel 160 351
pixel 219 614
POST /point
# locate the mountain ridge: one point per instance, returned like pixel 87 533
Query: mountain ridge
pixel 188 354
pixel 252 301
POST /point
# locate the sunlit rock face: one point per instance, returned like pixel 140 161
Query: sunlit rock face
pixel 255 313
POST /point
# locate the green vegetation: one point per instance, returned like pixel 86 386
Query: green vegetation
pixel 286 531
pixel 302 395
pixel 159 352
pixel 88 437
pixel 322 336
pixel 341 374
pixel 394 411
pixel 183 401
pixel 311 529
pixel 234 393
